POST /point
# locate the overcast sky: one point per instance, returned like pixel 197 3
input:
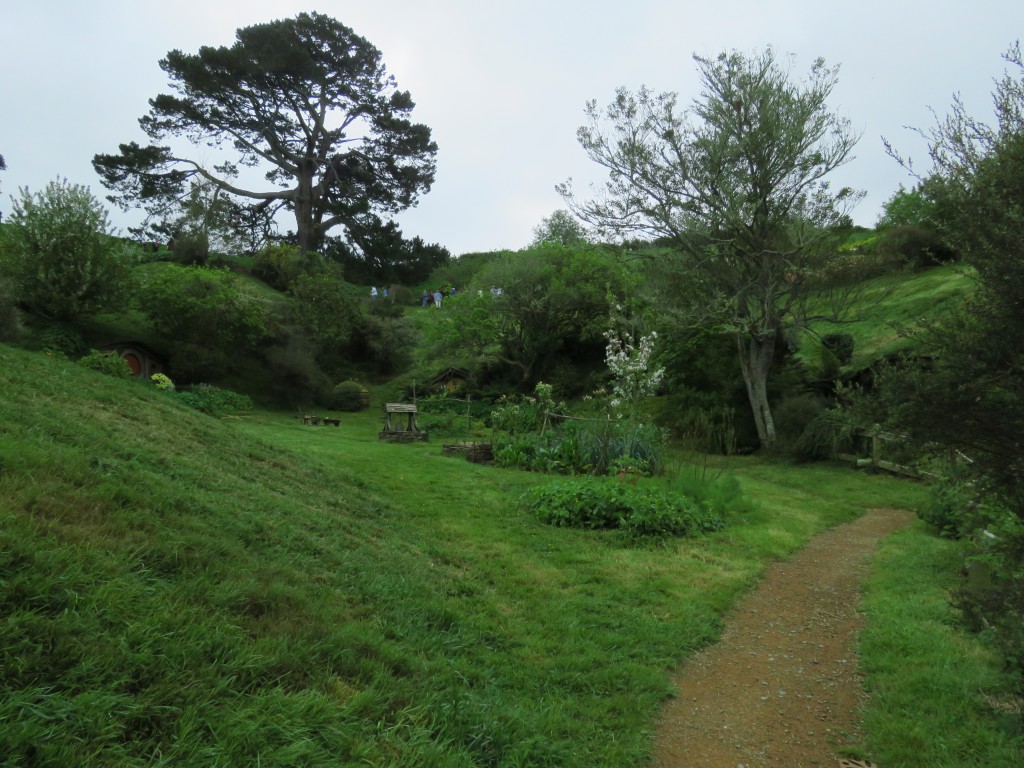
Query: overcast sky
pixel 502 85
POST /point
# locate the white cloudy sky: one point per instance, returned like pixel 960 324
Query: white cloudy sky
pixel 501 84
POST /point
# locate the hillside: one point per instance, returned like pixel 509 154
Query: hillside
pixel 179 589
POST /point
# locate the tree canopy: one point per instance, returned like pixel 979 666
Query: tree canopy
pixel 306 100
pixel 737 186
pixel 547 304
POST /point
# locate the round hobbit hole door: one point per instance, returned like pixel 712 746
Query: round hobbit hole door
pixel 134 363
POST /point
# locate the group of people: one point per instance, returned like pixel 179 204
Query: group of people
pixel 434 297
pixel 427 298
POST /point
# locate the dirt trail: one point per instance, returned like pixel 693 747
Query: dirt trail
pixel 781 687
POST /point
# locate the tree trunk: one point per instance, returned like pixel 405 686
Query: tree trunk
pixel 756 357
pixel 305 229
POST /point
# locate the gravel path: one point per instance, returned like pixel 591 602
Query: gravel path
pixel 781 687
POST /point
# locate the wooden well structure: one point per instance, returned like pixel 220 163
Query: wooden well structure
pixel 400 424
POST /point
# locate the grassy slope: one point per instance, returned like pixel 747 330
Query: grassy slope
pixel 177 589
pixel 890 303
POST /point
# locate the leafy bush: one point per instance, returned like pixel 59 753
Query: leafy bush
pixel 349 396
pixel 61 254
pixel 162 381
pixel 61 340
pixel 214 400
pixel 207 315
pixel 839 344
pixel 919 246
pixel 517 417
pixel 281 265
pixel 107 363
pixel 603 503
pixel 828 433
pixel 792 417
pixel 991 597
pixel 191 247
pixel 951 500
pixel 10 317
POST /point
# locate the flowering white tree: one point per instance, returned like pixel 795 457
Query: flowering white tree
pixel 628 355
pixel 629 360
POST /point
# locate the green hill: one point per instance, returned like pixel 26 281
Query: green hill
pixel 890 303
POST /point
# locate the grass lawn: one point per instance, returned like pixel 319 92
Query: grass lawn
pixel 892 302
pixel 178 589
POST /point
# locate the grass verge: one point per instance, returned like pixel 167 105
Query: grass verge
pixel 937 697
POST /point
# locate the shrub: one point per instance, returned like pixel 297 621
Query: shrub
pixel 951 500
pixel 918 246
pixel 10 317
pixel 828 433
pixel 162 381
pixel 108 363
pixel 61 340
pixel 604 503
pixel 61 254
pixel 191 247
pixel 349 396
pixel 793 415
pixel 208 315
pixel 214 400
pixel 992 595
pixel 839 344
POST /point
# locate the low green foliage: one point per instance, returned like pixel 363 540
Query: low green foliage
pixel 596 447
pixel 951 500
pixel 349 396
pixel 107 363
pixel 609 503
pixel 213 400
pixel 839 344
pixel 719 493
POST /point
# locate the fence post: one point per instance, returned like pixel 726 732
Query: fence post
pixel 876 447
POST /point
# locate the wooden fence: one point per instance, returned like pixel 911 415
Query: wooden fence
pixel 875 442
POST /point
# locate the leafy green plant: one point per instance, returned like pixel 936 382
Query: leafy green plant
pixel 162 381
pixel 595 447
pixel 60 251
pixel 604 503
pixel 828 433
pixel 62 340
pixel 950 500
pixel 214 400
pixel 349 396
pixel 107 363
pixel 839 344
